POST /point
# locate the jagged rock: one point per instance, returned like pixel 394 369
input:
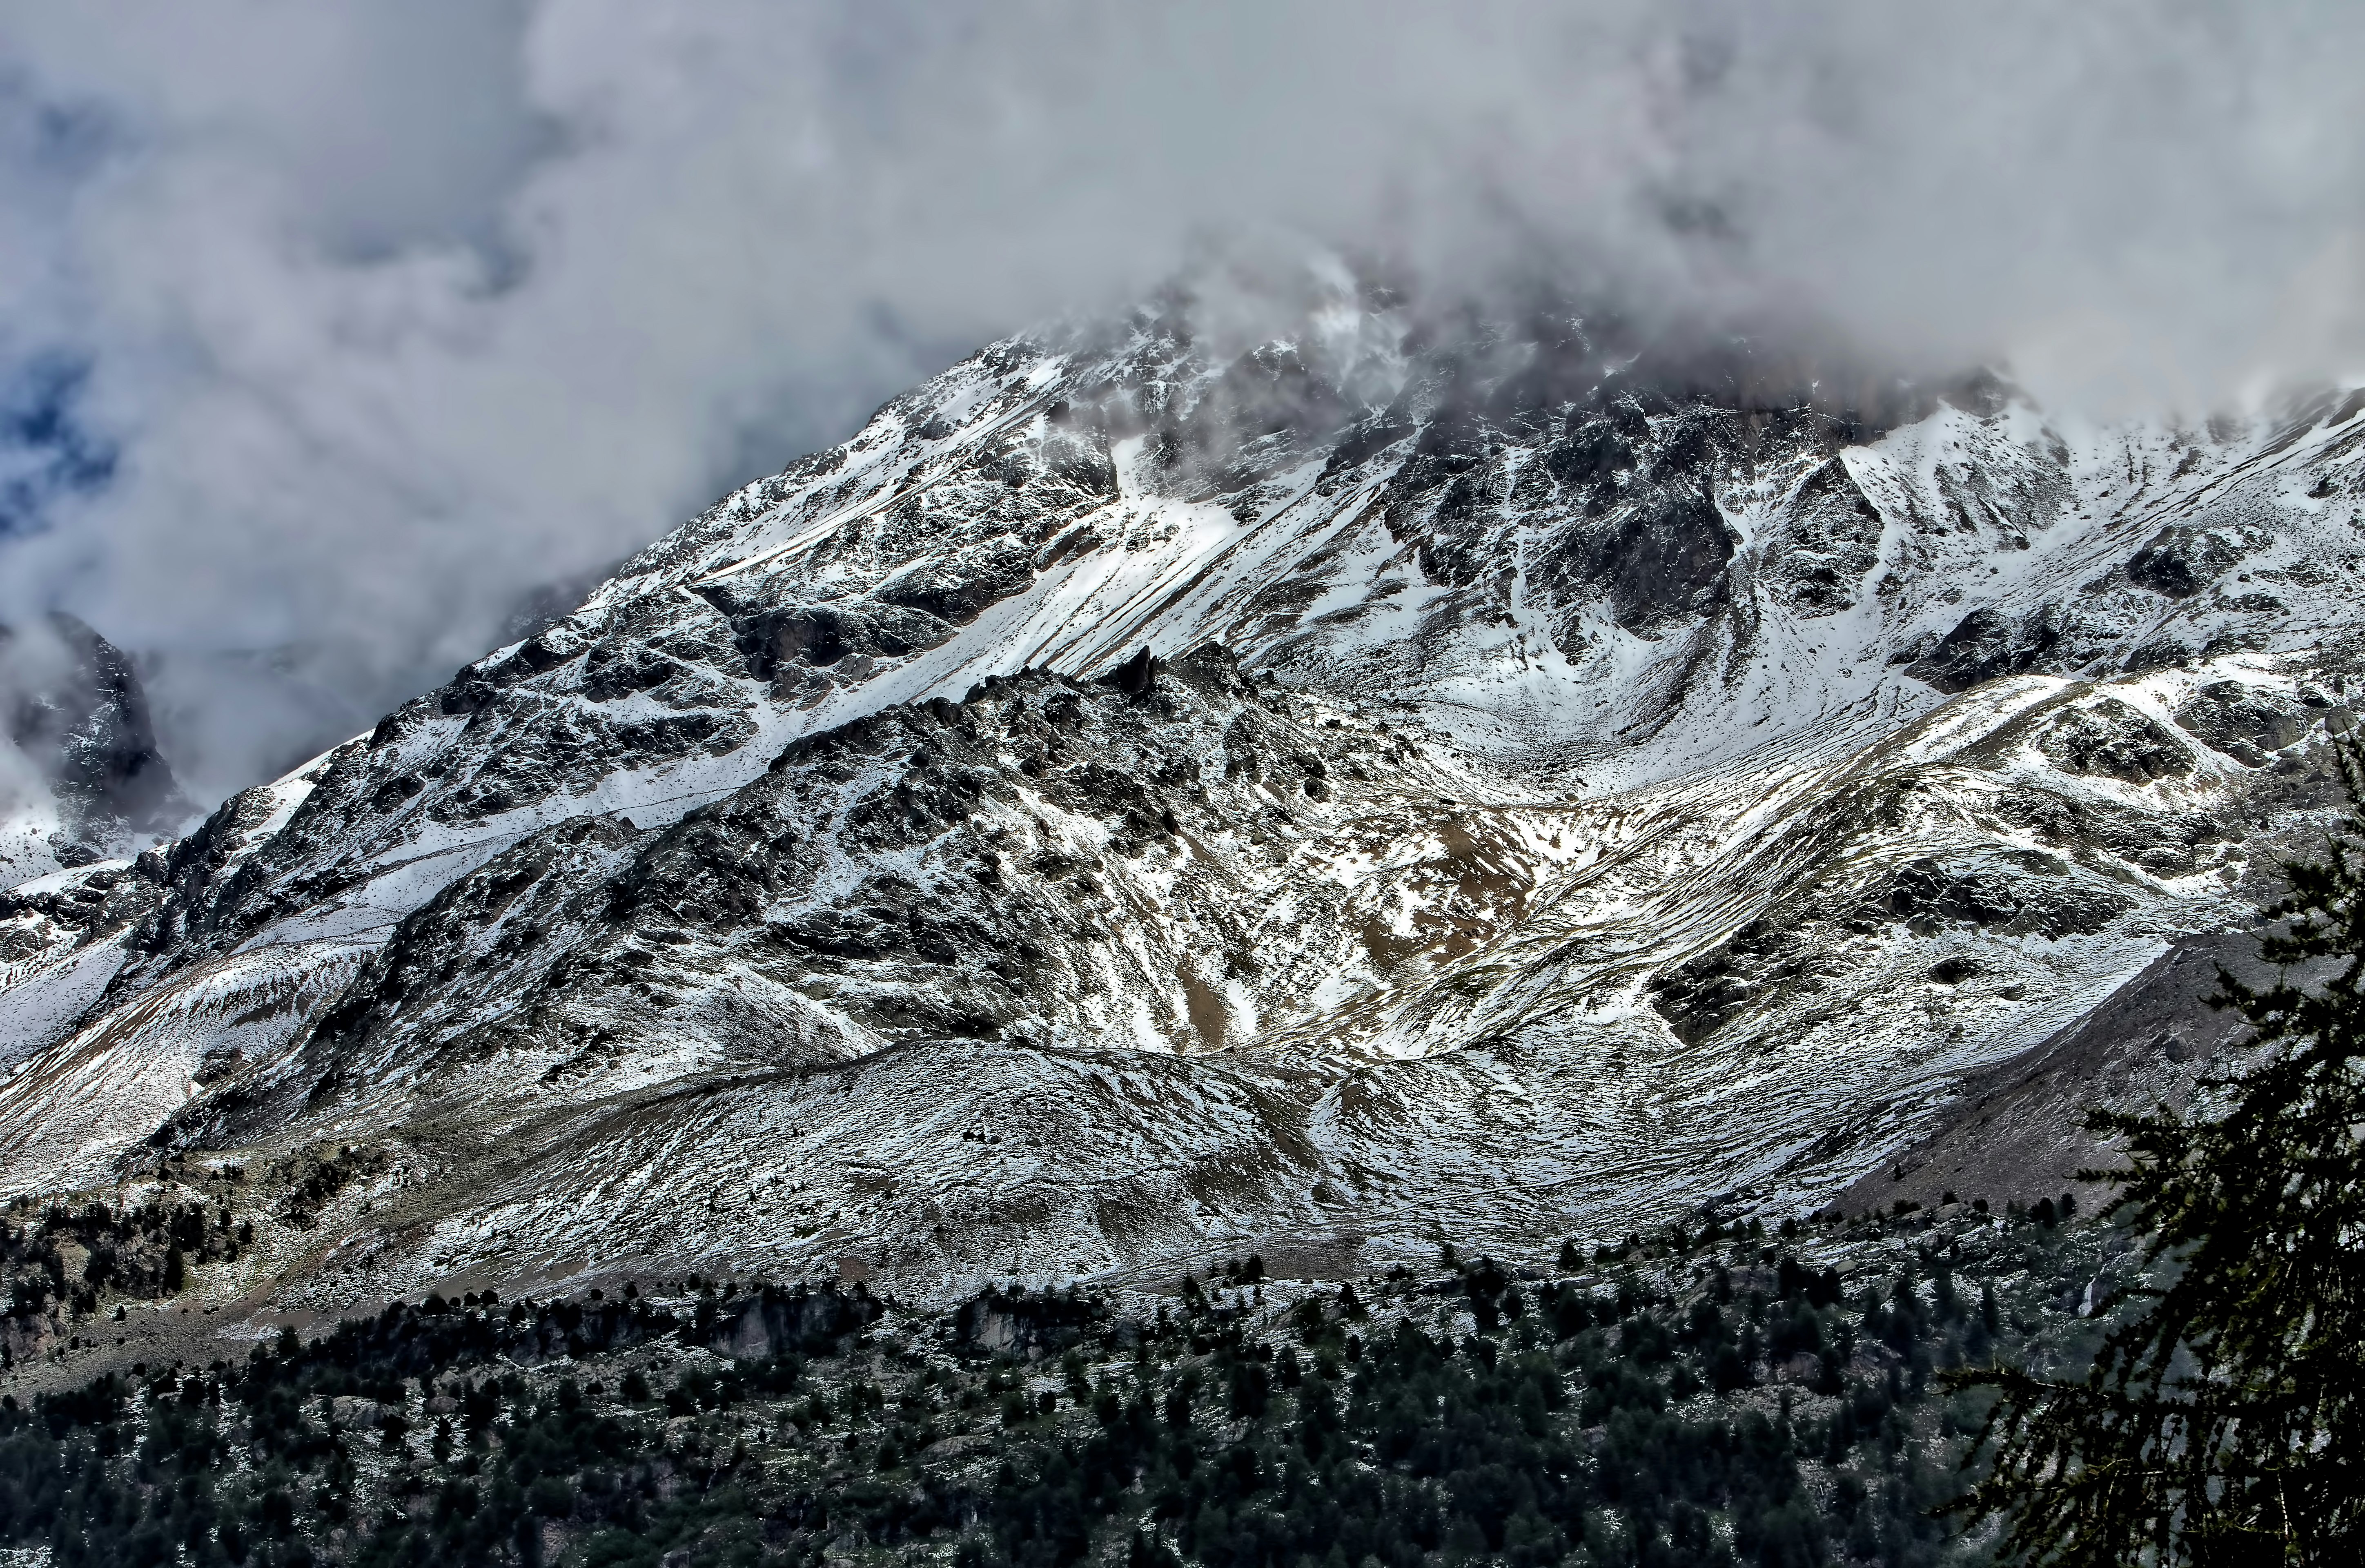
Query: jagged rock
pixel 2242 722
pixel 1664 561
pixel 1831 542
pixel 770 1321
pixel 1986 644
pixel 75 710
pixel 1029 1326
pixel 1930 896
pixel 2182 559
pixel 2109 737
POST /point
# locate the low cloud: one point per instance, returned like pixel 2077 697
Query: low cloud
pixel 368 320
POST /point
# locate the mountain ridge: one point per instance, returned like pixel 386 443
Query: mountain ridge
pixel 1378 775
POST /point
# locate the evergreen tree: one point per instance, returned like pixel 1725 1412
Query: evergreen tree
pixel 2224 1421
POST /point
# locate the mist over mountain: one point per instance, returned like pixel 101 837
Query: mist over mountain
pixel 327 338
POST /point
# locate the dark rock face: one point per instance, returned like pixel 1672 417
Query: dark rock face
pixel 92 907
pixel 954 591
pixel 2242 722
pixel 1665 563
pixel 1833 541
pixel 818 637
pixel 1767 957
pixel 86 725
pixel 1985 644
pixel 2109 737
pixel 2182 559
pixel 1589 456
pixel 1593 478
pixel 1134 677
pixel 999 1323
pixel 2168 844
pixel 771 1321
pixel 1930 895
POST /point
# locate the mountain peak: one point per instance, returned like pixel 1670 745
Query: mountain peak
pixel 1163 784
pixel 89 782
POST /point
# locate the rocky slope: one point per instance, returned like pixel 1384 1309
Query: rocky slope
pixel 1142 798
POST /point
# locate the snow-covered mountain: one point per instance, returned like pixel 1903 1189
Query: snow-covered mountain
pixel 81 778
pixel 1143 796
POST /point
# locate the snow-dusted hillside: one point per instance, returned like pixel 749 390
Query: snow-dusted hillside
pixel 1570 782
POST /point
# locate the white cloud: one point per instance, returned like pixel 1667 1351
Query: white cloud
pixel 398 310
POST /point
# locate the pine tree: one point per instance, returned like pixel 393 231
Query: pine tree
pixel 2224 1421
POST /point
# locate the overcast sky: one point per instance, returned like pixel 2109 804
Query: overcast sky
pixel 330 328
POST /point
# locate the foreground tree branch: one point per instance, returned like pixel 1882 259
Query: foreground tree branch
pixel 2221 1422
